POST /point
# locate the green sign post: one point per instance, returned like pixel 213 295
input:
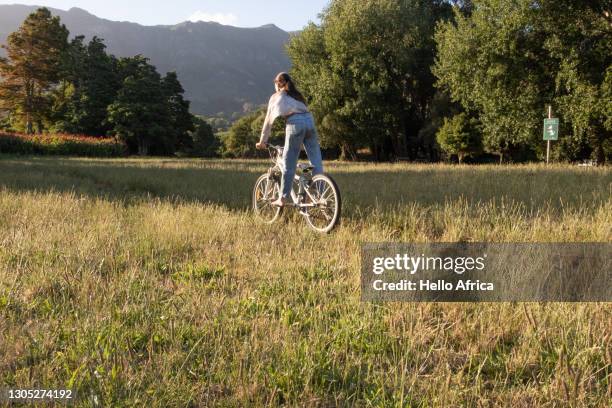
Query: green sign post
pixel 551 131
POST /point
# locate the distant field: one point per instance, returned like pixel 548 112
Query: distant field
pixel 149 282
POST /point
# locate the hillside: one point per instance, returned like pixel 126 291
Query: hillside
pixel 221 67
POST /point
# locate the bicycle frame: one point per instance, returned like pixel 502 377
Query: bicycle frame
pixel 302 179
pixel 316 197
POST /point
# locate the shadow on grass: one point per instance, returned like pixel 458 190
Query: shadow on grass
pixel 112 180
pixel 229 183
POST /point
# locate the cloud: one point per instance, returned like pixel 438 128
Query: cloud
pixel 222 18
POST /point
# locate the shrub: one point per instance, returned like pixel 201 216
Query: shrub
pixel 459 135
pixel 204 141
pixel 61 144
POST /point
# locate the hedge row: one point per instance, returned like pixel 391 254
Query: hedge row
pixel 60 144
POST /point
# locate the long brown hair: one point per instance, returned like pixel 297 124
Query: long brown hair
pixel 285 82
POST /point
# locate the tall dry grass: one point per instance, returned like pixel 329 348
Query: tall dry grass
pixel 148 282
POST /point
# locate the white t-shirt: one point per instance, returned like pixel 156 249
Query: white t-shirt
pixel 280 104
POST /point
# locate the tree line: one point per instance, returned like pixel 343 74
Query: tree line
pixel 51 84
pixel 428 79
pixel 389 79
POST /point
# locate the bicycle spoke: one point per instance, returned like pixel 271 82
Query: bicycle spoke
pixel 322 190
pixel 326 190
pixel 330 196
pixel 327 216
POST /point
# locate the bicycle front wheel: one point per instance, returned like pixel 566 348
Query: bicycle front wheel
pixel 324 193
pixel 266 190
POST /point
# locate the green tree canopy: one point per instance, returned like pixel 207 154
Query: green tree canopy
pixel 140 114
pixel 460 136
pixel 91 84
pixel 365 70
pixel 204 142
pixel 240 139
pixel 181 120
pixel 505 60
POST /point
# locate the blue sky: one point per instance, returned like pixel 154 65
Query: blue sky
pixel 286 14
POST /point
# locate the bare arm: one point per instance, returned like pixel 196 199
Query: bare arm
pixel 267 125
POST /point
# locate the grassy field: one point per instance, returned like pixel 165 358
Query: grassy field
pixel 148 282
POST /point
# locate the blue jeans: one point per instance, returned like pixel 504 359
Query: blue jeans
pixel 300 131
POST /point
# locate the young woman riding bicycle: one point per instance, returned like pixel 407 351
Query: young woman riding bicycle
pixel 288 102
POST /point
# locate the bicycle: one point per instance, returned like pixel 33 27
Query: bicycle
pixel 317 197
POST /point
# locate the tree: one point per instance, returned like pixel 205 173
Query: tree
pixel 241 138
pixel 181 120
pixel 460 136
pixel 204 142
pixel 579 37
pixel 140 114
pixel 218 123
pixel 507 60
pixel 36 52
pixel 490 63
pixel 440 108
pixel 66 94
pixel 90 85
pixel 366 72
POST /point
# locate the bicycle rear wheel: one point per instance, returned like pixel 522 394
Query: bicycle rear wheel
pixel 266 190
pixel 325 194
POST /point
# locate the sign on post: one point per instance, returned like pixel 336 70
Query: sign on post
pixel 551 129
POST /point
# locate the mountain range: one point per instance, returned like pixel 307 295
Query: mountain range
pixel 222 68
